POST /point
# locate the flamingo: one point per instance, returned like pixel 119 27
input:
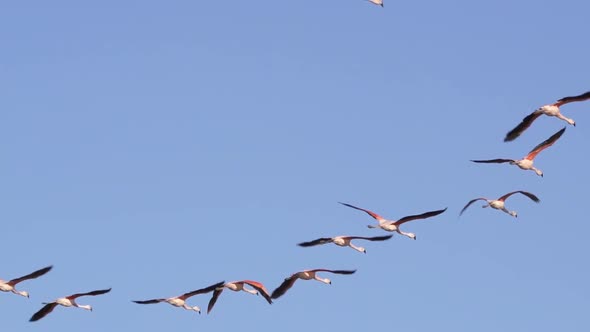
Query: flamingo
pixel 526 163
pixel 344 241
pixel 377 2
pixel 237 286
pixel 68 301
pixel 9 286
pixel 393 226
pixel 550 110
pixel 305 275
pixel 498 204
pixel 180 301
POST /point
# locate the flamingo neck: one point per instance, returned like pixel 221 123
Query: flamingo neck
pixel 566 119
pixel 251 291
pixel 360 249
pixel 84 306
pixel 410 235
pixel 324 280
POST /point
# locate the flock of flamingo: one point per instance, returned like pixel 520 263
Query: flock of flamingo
pixel 257 288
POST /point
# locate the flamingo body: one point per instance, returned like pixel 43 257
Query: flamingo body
pixel 68 301
pixel 10 286
pixel 236 286
pixel 499 204
pixel 180 301
pixel 392 225
pixel 305 275
pixel 526 163
pixel 549 110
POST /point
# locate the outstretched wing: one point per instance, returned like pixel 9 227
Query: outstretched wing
pixel 419 216
pixel 284 286
pixel 216 294
pixel 526 122
pixel 93 293
pixel 260 288
pixel 150 301
pixel 323 240
pixel 202 290
pixel 494 161
pixel 33 275
pixel 545 144
pixel 471 202
pixel 43 312
pixel 565 100
pixel 374 238
pixel 371 213
pixel 526 193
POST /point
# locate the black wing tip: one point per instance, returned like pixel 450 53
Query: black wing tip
pixel 344 271
pixel 221 283
pixel 383 237
pixel 283 287
pixel 510 138
pixel 46 269
pixel 99 292
pixel 277 293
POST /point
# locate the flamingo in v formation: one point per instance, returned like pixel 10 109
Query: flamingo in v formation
pixel 393 226
pixel 498 204
pixel 237 286
pixel 10 286
pixel 526 163
pixel 305 275
pixel 549 110
pixel 68 301
pixel 344 241
pixel 180 301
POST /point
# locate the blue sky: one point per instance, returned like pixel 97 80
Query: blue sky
pixel 157 147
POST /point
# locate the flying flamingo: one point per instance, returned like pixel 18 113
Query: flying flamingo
pixel 237 286
pixel 526 163
pixel 305 275
pixel 180 301
pixel 9 286
pixel 377 2
pixel 498 204
pixel 393 226
pixel 550 110
pixel 344 241
pixel 68 301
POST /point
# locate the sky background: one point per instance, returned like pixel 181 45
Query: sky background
pixel 158 147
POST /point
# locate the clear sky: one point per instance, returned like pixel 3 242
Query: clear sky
pixel 157 147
